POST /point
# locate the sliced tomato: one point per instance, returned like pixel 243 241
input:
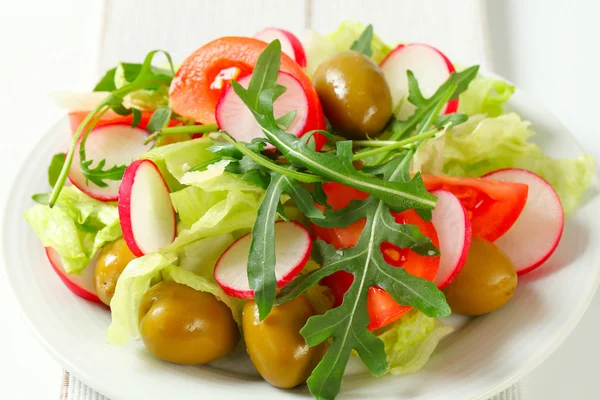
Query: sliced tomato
pixel 493 206
pixel 382 308
pixel 192 96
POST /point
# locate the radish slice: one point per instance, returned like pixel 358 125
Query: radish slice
pixel 290 44
pixel 118 144
pixel 536 233
pixel 453 227
pixel 430 67
pixel 147 216
pixel 234 117
pixel 292 252
pixel 82 285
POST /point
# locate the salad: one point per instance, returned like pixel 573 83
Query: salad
pixel 303 204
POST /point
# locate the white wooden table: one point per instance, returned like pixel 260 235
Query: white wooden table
pixel 548 47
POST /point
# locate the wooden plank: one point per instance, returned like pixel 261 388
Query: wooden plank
pixel 455 27
pixel 134 27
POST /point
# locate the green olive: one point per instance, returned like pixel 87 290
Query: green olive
pixel 113 259
pixel 275 345
pixel 354 93
pixel 185 326
pixel 486 282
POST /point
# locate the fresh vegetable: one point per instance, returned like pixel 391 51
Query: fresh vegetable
pixel 537 232
pixel 143 99
pixel 175 160
pixel 76 229
pixel 486 282
pixel 290 109
pixel 485 96
pixel 192 97
pixel 354 93
pixel 320 47
pixel 453 227
pixel 145 78
pixel 381 307
pixel 116 146
pixel 113 259
pixel 275 345
pixel 401 131
pixel 347 324
pixel 484 145
pixel 410 341
pixel 290 44
pixel 225 215
pixel 492 206
pixel 146 213
pixel 82 285
pixel 292 251
pixel 186 326
pixel 139 276
pixel 429 66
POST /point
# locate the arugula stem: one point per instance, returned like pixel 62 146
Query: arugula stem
pixel 174 130
pixel 431 110
pixel 93 115
pixel 265 162
pixel 387 145
pixel 187 129
pixel 64 173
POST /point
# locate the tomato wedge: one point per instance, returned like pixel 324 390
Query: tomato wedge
pixel 382 308
pixel 191 94
pixel 493 206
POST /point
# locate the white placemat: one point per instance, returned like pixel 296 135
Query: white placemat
pixel 73 389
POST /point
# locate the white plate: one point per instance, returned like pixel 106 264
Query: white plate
pixel 485 356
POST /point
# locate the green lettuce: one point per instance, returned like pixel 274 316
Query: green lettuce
pixel 320 47
pixel 143 99
pixel 76 227
pixel 237 211
pixel 482 145
pixel 143 273
pixel 410 341
pixel 176 159
pixel 485 96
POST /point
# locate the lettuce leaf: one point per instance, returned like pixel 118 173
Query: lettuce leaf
pixel 141 274
pixel 482 145
pixel 485 96
pixel 176 159
pixel 76 227
pixel 236 212
pixel 320 47
pixel 348 31
pixel 410 341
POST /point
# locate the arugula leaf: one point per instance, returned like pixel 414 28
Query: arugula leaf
pixel 160 118
pixel 335 167
pixel 347 324
pixel 286 120
pixel 56 165
pixel 107 83
pixel 41 198
pixel 137 117
pixel 98 175
pixel 363 43
pixel 261 258
pixel 428 110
